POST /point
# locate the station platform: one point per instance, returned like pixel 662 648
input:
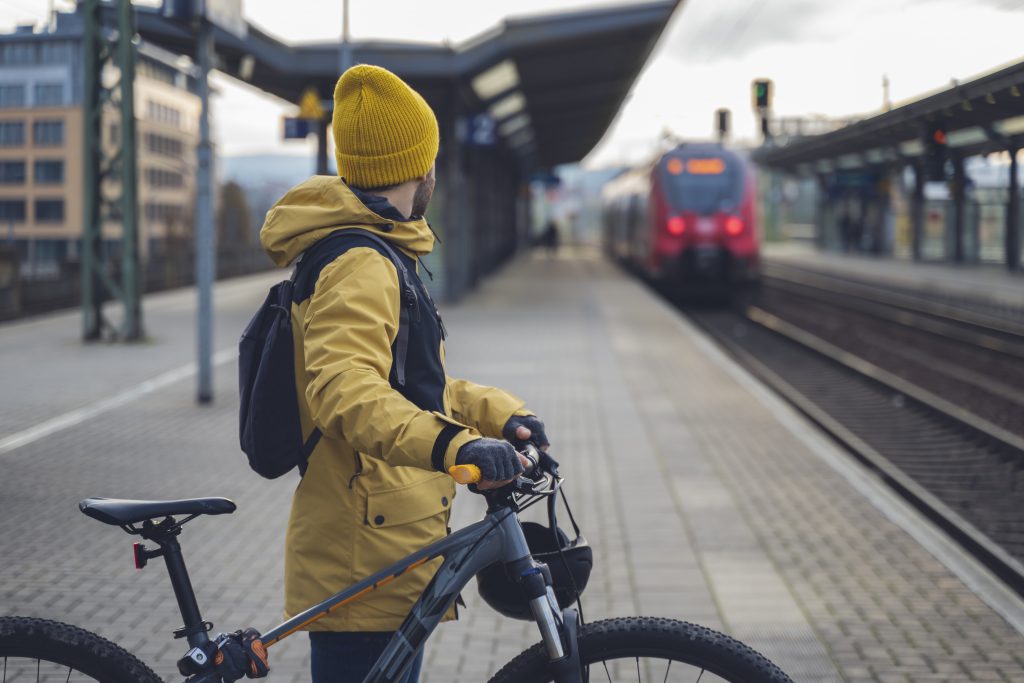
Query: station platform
pixel 988 284
pixel 706 498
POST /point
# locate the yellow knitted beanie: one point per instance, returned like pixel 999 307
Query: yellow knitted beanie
pixel 384 131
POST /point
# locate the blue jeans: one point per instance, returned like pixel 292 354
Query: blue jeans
pixel 344 657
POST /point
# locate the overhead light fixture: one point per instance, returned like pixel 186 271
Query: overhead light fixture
pixel 967 136
pixel 246 66
pixel 508 106
pixel 500 78
pixel 1012 126
pixel 849 161
pixel 521 139
pixel 514 124
pixel 912 148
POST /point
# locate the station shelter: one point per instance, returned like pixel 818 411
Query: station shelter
pixel 935 179
pixel 521 98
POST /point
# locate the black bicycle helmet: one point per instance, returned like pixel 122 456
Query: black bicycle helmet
pixel 570 571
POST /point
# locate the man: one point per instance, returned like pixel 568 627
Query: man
pixel 375 488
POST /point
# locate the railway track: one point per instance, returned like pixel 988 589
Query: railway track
pixel 945 431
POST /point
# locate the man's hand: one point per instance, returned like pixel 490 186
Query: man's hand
pixel 498 461
pixel 522 428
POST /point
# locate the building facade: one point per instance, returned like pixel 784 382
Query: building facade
pixel 42 146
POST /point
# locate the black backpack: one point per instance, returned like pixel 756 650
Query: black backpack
pixel 270 431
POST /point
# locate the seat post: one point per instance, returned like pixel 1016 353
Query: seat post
pixel 195 629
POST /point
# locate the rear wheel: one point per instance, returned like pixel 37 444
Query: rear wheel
pixel 651 649
pixel 36 650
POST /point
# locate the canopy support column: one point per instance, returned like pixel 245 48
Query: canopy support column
pixel 917 211
pixel 1012 233
pixel 959 197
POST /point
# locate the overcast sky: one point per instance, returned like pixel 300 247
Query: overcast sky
pixel 826 57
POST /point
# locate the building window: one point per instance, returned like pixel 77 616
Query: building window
pixel 55 52
pixel 12 172
pixel 161 113
pixel 12 95
pixel 18 53
pixel 158 177
pixel 49 210
pixel 48 172
pixel 49 94
pixel 12 133
pixel 161 144
pixel 164 213
pixel 48 133
pixel 12 210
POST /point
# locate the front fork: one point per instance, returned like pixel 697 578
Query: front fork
pixel 558 628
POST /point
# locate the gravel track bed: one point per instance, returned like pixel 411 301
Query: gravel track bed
pixel 980 480
pixel 988 380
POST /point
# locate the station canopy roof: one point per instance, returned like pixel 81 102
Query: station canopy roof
pixel 552 83
pixel 983 115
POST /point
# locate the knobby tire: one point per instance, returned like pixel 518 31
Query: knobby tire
pixel 652 638
pixel 79 650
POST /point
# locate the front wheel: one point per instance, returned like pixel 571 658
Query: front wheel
pixel 43 650
pixel 651 649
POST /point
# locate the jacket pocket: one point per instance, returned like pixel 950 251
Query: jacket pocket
pixel 400 521
pixel 409 504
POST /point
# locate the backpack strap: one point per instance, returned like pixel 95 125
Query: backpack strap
pixel 407 297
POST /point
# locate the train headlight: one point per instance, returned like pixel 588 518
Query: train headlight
pixel 676 225
pixel 733 225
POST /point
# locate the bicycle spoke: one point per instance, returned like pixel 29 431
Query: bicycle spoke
pixel 665 680
pixel 700 676
pixel 638 670
pixel 68 679
pixel 607 672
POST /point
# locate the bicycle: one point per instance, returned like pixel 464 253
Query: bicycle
pixel 569 651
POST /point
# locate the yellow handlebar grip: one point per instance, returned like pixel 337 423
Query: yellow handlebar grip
pixel 465 474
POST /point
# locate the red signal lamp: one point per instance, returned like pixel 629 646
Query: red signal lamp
pixel 733 225
pixel 676 226
pixel 939 136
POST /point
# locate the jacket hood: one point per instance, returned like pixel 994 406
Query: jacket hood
pixel 320 206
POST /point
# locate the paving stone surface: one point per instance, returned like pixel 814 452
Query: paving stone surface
pixel 700 504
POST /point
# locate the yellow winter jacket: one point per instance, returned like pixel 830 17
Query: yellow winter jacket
pixel 369 495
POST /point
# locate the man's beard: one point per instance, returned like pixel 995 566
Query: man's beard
pixel 421 199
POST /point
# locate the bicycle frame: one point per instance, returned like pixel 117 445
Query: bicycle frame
pixel 497 538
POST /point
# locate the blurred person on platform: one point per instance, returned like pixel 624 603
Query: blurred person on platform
pixel 376 488
pixel 550 238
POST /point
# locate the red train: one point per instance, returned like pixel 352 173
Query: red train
pixel 688 221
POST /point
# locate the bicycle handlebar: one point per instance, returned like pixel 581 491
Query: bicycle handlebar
pixel 470 474
pixel 465 474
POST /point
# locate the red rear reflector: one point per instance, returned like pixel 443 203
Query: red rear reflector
pixel 140 555
pixel 733 225
pixel 676 225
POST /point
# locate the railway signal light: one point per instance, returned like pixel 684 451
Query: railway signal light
pixel 762 88
pixel 936 153
pixel 722 117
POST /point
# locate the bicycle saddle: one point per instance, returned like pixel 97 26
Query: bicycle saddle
pixel 123 512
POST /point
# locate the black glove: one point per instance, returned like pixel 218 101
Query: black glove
pixel 242 654
pixel 537 436
pixel 496 459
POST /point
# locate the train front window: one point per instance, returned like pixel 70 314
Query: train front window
pixel 703 184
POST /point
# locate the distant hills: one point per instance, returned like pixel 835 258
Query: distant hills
pixel 253 171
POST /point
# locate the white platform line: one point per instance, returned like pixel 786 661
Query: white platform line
pixel 87 412
pixel 977 577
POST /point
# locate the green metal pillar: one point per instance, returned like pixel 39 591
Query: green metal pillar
pixel 98 282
